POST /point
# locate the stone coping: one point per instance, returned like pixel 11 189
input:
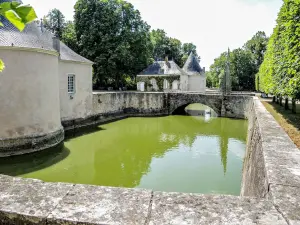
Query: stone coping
pixel 281 159
pixel 30 201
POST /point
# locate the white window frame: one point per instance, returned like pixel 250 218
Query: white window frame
pixel 71 88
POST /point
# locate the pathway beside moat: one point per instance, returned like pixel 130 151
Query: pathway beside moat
pixel 289 121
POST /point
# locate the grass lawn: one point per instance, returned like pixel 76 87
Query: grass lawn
pixel 288 121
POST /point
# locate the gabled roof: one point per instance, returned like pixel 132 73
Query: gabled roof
pixel 162 68
pixel 33 36
pixel 192 66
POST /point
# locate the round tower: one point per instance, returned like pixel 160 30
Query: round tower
pixel 29 90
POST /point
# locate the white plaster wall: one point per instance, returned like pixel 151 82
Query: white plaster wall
pixel 81 104
pixel 29 94
pixel 184 81
pixel 197 83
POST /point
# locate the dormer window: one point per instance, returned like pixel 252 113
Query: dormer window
pixel 71 83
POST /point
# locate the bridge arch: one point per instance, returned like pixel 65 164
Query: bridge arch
pixel 178 102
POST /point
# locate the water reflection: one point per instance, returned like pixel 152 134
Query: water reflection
pixel 175 153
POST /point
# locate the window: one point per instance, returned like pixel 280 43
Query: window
pixel 71 83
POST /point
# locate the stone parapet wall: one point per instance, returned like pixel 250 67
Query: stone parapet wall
pixel 28 201
pixel 129 102
pixel 109 106
pixel 272 164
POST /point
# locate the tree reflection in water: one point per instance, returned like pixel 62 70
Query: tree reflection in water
pixel 124 153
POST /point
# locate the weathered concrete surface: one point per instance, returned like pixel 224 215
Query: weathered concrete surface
pixel 102 205
pixel 192 209
pixel 129 102
pixel 272 164
pixel 28 201
pixel 31 202
pixel 286 200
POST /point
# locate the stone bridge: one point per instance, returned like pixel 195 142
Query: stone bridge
pixel 160 103
pixel 179 101
pixel 225 106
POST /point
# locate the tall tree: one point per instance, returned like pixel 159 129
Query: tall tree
pixel 55 22
pixel 242 70
pixel 160 42
pixel 113 35
pixel 257 45
pixel 280 71
pixel 244 63
pixel 171 47
pixel 69 36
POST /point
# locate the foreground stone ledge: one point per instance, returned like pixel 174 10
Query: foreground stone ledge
pixel 28 201
pixel 287 201
pixel 194 209
pixel 86 204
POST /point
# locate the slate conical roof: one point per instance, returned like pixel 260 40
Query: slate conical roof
pixel 192 66
pixel 33 36
pixel 162 68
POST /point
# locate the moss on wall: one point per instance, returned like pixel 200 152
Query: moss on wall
pixel 159 81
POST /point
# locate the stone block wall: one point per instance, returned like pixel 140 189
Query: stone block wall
pixel 109 106
pixel 272 164
pixel 129 102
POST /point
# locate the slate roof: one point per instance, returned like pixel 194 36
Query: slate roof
pixel 33 36
pixel 68 54
pixel 162 68
pixel 192 66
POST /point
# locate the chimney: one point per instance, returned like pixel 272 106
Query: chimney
pixel 167 62
pixel 56 44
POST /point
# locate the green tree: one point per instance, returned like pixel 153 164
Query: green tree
pixel 280 71
pixel 113 35
pixel 257 46
pixel 244 64
pixel 160 42
pixel 217 69
pixel 171 47
pixel 242 70
pixel 17 14
pixel 187 48
pixel 55 22
pixel 69 36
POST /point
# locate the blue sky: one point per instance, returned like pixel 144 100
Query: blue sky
pixel 213 25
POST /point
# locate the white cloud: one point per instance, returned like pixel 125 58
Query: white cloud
pixel 213 25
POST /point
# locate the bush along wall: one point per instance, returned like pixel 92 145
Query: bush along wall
pixel 159 81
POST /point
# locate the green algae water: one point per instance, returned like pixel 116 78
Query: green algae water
pixel 173 153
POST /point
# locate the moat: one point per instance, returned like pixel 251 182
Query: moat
pixel 173 153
